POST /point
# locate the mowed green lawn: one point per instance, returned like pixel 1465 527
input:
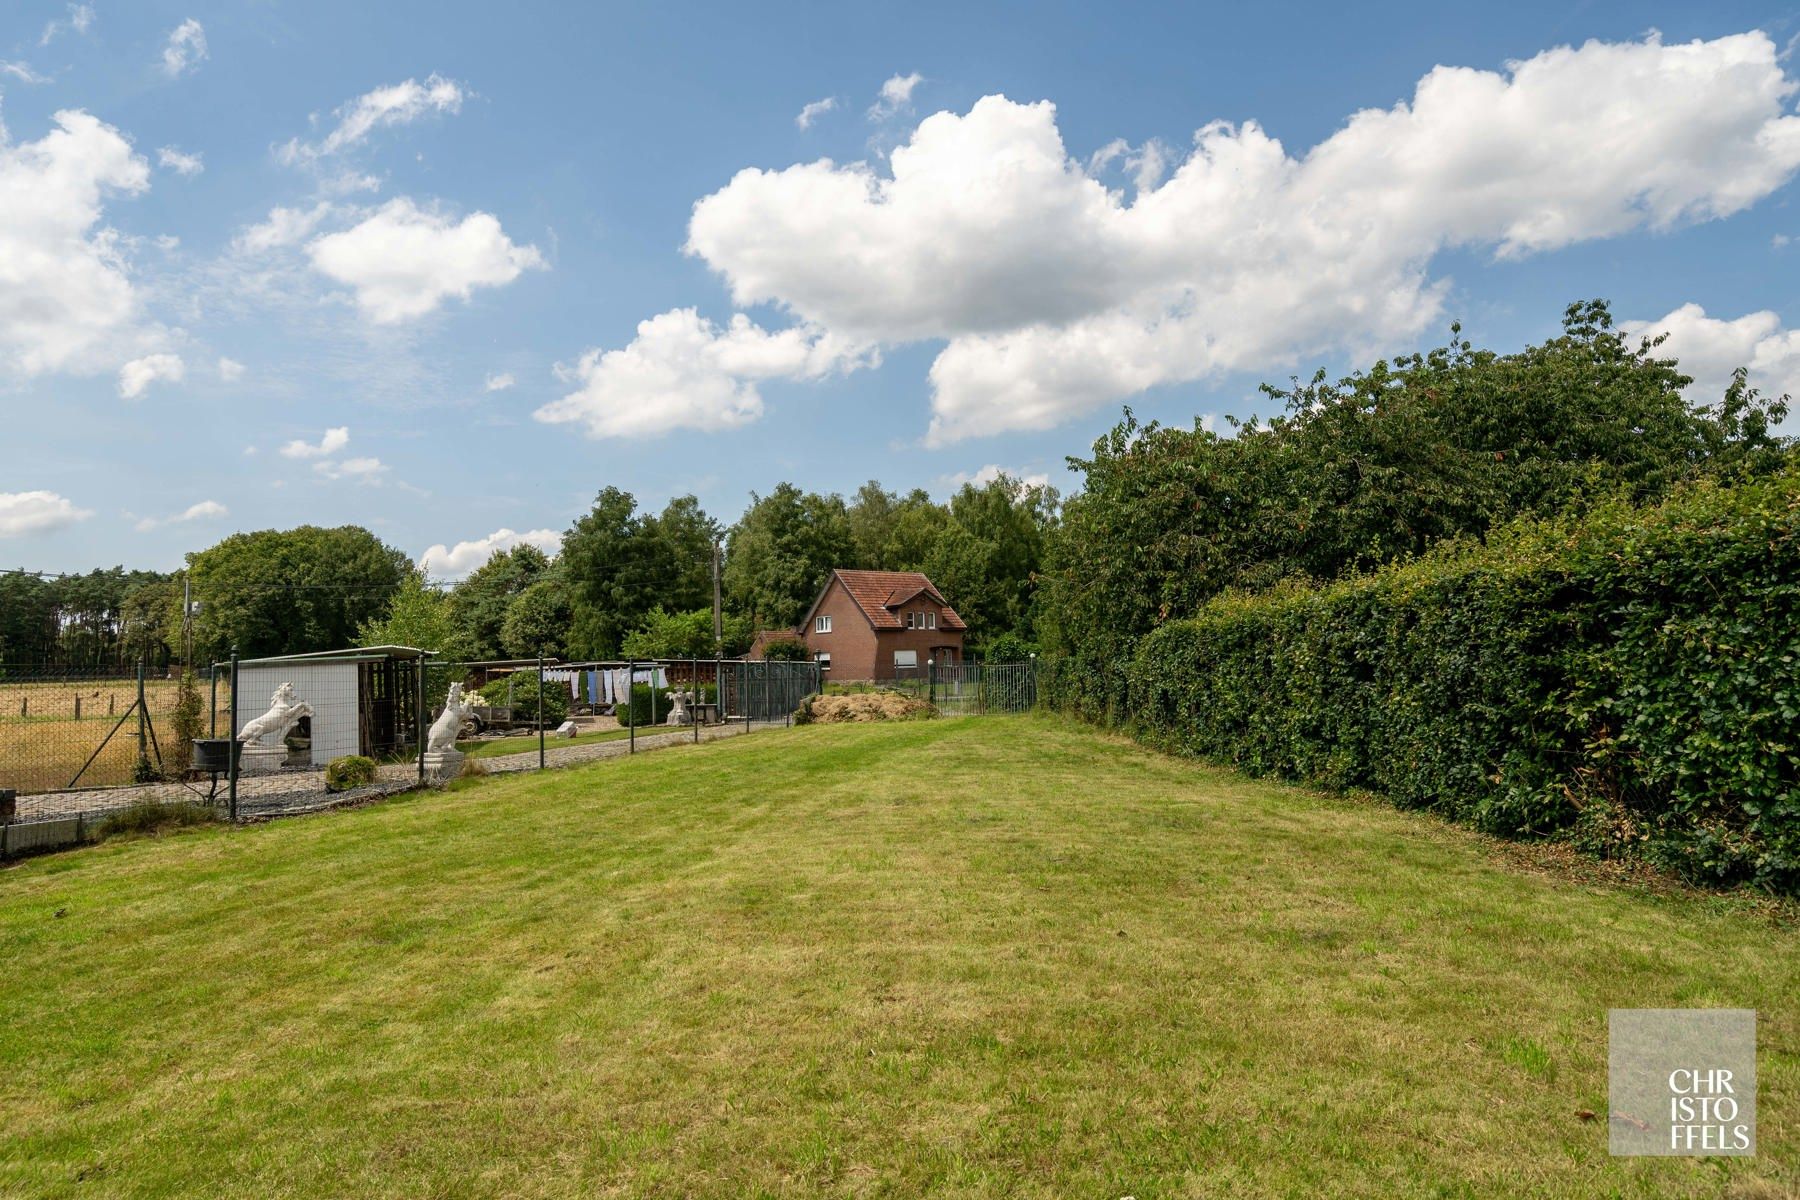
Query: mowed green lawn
pixel 987 957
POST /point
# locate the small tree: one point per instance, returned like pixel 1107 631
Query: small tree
pixel 537 621
pixel 186 723
pixel 786 649
pixel 1006 647
pixel 520 689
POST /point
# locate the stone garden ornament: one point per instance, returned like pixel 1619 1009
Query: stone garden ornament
pixel 271 729
pixel 265 738
pixel 444 730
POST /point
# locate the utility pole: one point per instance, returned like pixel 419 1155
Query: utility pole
pixel 718 616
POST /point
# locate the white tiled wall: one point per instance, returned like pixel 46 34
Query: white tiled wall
pixel 329 687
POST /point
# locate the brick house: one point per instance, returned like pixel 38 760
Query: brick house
pixel 881 625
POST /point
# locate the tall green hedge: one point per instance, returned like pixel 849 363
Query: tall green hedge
pixel 1631 681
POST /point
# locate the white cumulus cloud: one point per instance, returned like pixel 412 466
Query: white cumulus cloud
pixel 137 375
pixel 499 381
pixel 455 562
pixel 992 471
pixel 682 371
pixel 194 512
pixel 813 111
pixel 284 227
pixel 393 104
pixel 330 443
pixel 67 300
pixel 80 19
pixel 356 470
pixel 22 513
pixel 1710 348
pixel 178 162
pixel 896 94
pixel 402 261
pixel 21 71
pixel 230 370
pixel 1057 295
pixel 185 50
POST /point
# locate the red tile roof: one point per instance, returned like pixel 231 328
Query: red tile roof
pixel 880 593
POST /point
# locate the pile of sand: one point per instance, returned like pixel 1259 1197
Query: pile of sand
pixel 868 706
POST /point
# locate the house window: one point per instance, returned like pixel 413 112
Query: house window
pixel 931 620
pixel 823 658
pixel 909 620
pixel 822 624
pixel 905 660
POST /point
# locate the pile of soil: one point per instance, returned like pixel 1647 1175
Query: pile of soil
pixel 868 706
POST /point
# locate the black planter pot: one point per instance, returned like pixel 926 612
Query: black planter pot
pixel 212 755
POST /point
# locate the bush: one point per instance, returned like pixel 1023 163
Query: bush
pixel 349 772
pixel 639 712
pixel 786 649
pixel 1625 681
pixel 150 818
pixel 1007 648
pixel 522 688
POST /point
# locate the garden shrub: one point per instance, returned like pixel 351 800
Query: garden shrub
pixel 786 649
pixel 1629 680
pixel 150 818
pixel 639 713
pixel 348 772
pixel 522 688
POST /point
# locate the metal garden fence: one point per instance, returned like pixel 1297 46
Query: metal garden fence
pixel 75 752
pixel 973 689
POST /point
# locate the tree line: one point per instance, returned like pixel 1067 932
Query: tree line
pixel 1374 469
pixel 627 582
pixel 1371 469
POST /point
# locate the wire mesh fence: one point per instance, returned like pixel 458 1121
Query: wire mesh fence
pixel 305 732
pixel 68 728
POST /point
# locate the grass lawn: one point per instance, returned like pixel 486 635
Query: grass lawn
pixel 529 742
pixel 989 957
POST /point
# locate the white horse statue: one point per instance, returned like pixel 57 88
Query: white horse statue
pixel 450 722
pixel 285 711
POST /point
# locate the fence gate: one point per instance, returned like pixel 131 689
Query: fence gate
pixel 973 689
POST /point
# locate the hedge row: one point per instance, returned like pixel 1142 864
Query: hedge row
pixel 1630 681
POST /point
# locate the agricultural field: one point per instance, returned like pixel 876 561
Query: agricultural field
pixel 994 957
pixel 49 729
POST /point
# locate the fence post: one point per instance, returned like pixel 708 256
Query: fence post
pixel 231 734
pixel 422 712
pixel 540 716
pixel 631 704
pixel 694 690
pixel 931 681
pixel 143 746
pixel 653 695
pixel 744 695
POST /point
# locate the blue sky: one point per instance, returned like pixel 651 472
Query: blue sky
pixel 437 228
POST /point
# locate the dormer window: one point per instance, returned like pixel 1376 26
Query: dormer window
pixel 931 620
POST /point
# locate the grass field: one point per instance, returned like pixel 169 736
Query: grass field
pixel 494 747
pixel 43 742
pixel 996 957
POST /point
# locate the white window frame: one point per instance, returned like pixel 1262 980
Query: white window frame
pixel 909 618
pixel 931 620
pixel 822 623
pixel 911 654
pixel 823 658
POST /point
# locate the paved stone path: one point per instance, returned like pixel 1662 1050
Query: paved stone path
pixel 301 791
